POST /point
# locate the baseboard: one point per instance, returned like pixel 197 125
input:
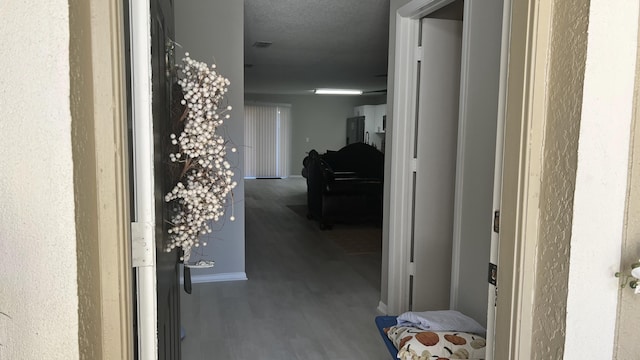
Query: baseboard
pixel 382 308
pixel 209 278
pixel 206 278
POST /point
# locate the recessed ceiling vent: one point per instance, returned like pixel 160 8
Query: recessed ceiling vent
pixel 262 44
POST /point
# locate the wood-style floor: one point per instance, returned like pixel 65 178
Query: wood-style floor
pixel 306 297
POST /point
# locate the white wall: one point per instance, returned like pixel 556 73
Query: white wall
pixel 211 30
pixel 601 179
pixel 38 277
pixel 320 118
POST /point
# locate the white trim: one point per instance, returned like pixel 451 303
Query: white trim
pixel 600 194
pixel 417 9
pixel 460 158
pixel 210 278
pixel 382 308
pixel 401 191
pixel 497 177
pixel 144 198
pixel 402 145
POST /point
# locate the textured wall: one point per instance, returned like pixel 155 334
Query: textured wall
pixel 321 119
pixel 38 296
pixel 213 31
pixel 85 181
pixel 564 100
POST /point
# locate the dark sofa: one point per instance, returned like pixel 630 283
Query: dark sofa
pixel 344 185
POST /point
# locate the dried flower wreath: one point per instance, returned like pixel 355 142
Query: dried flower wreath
pixel 206 179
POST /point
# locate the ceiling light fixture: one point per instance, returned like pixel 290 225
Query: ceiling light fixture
pixel 337 92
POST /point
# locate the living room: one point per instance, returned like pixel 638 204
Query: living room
pixel 286 257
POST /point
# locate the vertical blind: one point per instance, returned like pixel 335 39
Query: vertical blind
pixel 267 140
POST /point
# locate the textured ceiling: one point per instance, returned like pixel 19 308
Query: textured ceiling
pixel 316 43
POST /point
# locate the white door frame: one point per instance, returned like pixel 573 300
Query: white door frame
pixel 402 162
pixel 402 159
pixel 497 176
pixel 143 230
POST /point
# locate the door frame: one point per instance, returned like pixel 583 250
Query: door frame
pixel 101 182
pixel 402 163
pixel 528 33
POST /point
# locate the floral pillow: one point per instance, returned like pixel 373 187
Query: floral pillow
pixel 417 344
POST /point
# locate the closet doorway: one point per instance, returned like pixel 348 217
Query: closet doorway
pixel 446 137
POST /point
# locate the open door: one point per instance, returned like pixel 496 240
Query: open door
pixel 156 271
pixel 167 264
pixel 435 155
pixel 478 174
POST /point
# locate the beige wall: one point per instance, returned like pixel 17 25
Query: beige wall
pixel 566 62
pixel 85 180
pixel 39 296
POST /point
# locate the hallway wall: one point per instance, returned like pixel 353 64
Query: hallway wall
pixel 212 31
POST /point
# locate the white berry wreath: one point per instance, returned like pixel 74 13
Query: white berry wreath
pixel 206 179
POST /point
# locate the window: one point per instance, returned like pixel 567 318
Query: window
pixel 268 140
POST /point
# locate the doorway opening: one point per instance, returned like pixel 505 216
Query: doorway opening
pixel 473 152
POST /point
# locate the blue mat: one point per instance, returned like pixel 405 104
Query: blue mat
pixel 383 322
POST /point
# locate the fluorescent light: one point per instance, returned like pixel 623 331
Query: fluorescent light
pixel 337 92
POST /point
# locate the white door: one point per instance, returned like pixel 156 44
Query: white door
pixel 435 153
pixel 476 156
pixel 476 163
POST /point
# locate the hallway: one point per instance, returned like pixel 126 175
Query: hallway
pixel 311 294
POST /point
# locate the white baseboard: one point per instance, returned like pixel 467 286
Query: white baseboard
pixel 209 278
pixel 382 308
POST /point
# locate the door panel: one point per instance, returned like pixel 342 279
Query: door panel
pixel 434 182
pixel 476 155
pixel 168 295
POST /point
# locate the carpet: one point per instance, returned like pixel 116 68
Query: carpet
pixel 354 239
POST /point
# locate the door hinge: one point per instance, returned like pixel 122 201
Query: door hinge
pixel 496 221
pixel 419 53
pixel 142 244
pixel 493 274
pixel 411 268
pixel 493 280
pixel 413 165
